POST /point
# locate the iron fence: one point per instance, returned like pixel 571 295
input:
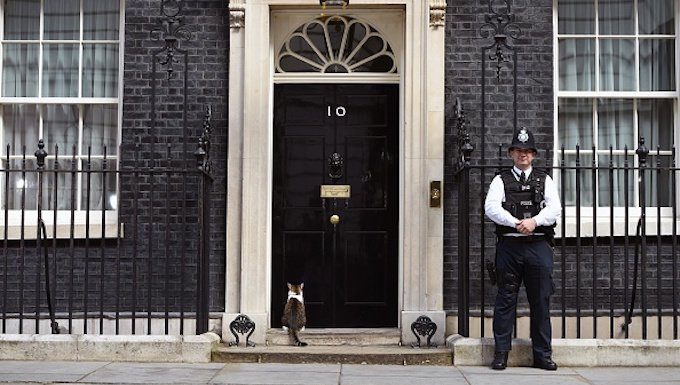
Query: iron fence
pixel 97 245
pixel 615 243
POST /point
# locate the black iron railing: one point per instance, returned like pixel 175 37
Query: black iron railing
pixel 105 245
pixel 615 247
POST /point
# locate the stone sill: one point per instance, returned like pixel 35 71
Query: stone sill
pixel 571 352
pixel 72 347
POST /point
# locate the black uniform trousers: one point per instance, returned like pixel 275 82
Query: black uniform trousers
pixel 528 260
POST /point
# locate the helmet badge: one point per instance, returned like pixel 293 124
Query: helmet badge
pixel 523 135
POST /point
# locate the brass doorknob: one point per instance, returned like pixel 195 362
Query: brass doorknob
pixel 335 219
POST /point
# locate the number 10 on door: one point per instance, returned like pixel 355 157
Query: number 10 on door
pixel 340 111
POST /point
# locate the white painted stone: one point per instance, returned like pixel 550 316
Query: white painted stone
pixel 71 347
pixel 259 335
pixel 408 317
pixel 250 159
pixel 338 337
pixel 130 348
pixel 571 352
pixel 37 347
pixel 199 348
pixel 638 353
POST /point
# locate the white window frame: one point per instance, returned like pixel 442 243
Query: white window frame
pixel 621 227
pixel 29 230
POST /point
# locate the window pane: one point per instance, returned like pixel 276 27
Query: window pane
pixel 656 17
pixel 62 19
pixel 20 128
pixel 100 70
pixel 577 64
pixel 576 16
pixel 100 20
pixel 290 63
pixel 655 122
pixel 100 128
pixel 60 127
pixel 575 123
pixel 23 186
pixel 658 181
pixel 355 35
pixel 382 63
pixel 615 124
pixel 300 46
pixel 585 177
pixel 657 64
pixel 96 185
pixel 60 70
pixel 617 65
pixel 616 17
pixel 22 19
pixel 613 183
pixel 20 70
pixel 61 190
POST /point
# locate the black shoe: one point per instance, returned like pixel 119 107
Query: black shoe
pixel 545 363
pixel 500 361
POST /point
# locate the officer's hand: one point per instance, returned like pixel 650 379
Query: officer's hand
pixel 526 226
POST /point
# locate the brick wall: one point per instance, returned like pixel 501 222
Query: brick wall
pixel 207 50
pixel 535 107
pixel 464 50
pixel 154 266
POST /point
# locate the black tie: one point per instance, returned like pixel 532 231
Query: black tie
pixel 522 178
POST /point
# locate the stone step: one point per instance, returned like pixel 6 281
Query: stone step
pixel 338 337
pixel 371 355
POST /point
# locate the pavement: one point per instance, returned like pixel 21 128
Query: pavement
pixel 69 372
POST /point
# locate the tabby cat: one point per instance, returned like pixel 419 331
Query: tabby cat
pixel 294 318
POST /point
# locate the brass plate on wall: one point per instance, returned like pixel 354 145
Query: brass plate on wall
pixel 335 191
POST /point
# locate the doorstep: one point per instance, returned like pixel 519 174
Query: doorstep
pixel 345 354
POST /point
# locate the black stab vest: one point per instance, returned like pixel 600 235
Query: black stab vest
pixel 524 200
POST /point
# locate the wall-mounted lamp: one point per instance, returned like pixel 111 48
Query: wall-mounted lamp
pixel 333 3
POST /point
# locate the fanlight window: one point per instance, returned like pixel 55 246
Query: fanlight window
pixel 336 44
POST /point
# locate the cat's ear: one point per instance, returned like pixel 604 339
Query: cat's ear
pixel 289 285
pixel 302 286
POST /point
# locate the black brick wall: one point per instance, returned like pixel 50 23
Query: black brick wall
pixel 464 45
pixel 154 267
pixel 207 84
pixel 535 109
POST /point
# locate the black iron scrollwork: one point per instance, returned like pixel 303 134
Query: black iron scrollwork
pixel 172 30
pixel 242 324
pixel 465 148
pixel 423 326
pixel 502 26
pixel 202 153
pixel 335 165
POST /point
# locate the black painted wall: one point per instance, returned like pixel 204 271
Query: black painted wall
pixel 208 53
pixel 106 276
pixel 464 44
pixel 605 279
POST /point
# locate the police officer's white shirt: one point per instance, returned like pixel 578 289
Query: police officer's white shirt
pixel 493 206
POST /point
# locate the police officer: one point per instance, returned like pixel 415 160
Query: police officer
pixel 524 204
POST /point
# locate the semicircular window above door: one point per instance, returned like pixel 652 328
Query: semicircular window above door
pixel 336 44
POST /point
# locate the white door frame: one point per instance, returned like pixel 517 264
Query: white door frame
pixel 249 185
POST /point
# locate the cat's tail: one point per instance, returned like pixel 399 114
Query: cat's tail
pixel 294 335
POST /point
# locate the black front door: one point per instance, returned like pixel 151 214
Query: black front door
pixel 336 136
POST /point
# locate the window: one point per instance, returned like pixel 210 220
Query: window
pixel 60 81
pixel 336 44
pixel 616 69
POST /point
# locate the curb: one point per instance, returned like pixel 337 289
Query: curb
pixel 571 352
pixel 70 347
